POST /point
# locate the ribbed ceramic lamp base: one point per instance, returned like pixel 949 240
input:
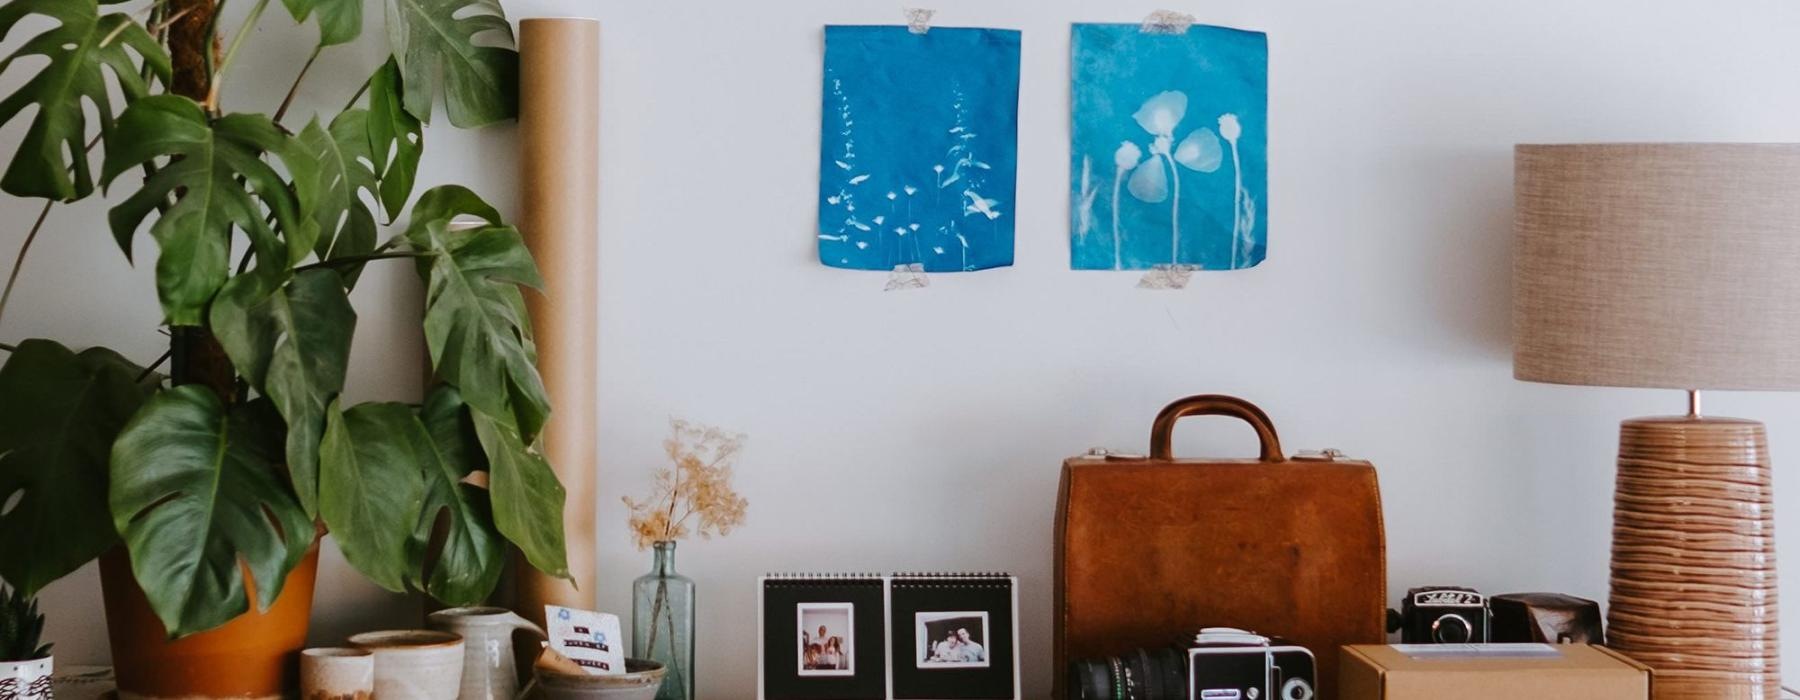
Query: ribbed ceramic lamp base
pixel 1693 562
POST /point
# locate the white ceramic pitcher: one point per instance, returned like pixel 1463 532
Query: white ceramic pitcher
pixel 488 670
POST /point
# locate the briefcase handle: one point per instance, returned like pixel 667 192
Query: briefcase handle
pixel 1213 405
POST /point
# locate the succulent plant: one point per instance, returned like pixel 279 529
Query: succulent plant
pixel 21 627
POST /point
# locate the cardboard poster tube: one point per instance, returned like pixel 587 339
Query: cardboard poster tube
pixel 559 123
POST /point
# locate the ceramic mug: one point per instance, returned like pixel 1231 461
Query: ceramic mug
pixel 414 664
pixel 27 680
pixel 489 671
pixel 337 673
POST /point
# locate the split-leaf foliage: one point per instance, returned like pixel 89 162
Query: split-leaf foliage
pixel 261 232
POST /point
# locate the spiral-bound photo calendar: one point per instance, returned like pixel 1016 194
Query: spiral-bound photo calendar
pixel 901 636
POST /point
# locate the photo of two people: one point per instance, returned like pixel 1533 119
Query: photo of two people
pixel 952 639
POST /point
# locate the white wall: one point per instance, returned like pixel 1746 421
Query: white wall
pixel 924 430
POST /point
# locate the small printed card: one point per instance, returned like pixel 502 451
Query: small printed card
pixel 590 639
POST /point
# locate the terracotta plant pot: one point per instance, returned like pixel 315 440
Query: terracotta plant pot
pixel 254 656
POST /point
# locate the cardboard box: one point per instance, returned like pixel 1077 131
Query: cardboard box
pixel 1489 672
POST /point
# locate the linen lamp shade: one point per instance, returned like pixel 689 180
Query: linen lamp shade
pixel 1658 265
pixel 1673 266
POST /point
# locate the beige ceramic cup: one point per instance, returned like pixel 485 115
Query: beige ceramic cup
pixel 414 664
pixel 337 673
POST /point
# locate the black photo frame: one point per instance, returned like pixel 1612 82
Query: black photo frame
pixel 980 611
pixel 852 608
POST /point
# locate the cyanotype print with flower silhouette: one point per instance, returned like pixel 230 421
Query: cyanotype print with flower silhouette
pixel 918 148
pixel 1169 163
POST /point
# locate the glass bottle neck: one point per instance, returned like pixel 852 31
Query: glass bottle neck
pixel 665 559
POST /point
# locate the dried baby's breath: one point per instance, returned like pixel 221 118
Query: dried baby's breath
pixel 694 488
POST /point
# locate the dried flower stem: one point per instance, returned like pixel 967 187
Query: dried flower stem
pixel 694 494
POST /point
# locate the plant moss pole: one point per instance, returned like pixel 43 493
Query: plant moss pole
pixel 197 357
pixel 559 116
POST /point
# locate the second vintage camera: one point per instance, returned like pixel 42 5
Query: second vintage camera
pixel 1220 664
pixel 1444 615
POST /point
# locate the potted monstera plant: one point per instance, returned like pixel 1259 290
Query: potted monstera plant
pixel 205 477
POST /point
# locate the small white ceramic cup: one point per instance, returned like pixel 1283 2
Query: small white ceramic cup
pixel 26 679
pixel 337 673
pixel 414 664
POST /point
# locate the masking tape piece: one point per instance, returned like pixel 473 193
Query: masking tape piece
pixel 918 20
pixel 1167 22
pixel 1167 277
pixel 911 276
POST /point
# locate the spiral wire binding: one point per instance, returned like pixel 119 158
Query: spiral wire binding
pixel 951 579
pixel 814 579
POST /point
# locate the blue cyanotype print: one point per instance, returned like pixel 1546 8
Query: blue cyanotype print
pixel 1169 161
pixel 918 148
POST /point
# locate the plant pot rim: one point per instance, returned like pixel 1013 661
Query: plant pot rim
pixel 638 673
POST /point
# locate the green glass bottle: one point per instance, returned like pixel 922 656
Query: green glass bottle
pixel 662 623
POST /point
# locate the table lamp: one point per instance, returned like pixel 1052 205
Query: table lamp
pixel 1672 266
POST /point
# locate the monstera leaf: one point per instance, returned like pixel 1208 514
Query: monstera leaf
pixel 83 47
pixel 195 492
pixel 371 486
pixel 470 562
pixel 396 139
pixel 340 21
pixel 346 226
pixel 292 343
pixel 217 161
pixel 434 42
pixel 59 414
pixel 527 498
pixel 475 321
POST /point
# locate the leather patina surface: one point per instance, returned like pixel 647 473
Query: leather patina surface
pixel 1149 550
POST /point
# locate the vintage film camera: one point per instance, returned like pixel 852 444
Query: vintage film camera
pixel 1444 615
pixel 1221 664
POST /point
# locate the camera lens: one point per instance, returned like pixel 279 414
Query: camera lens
pixel 1296 689
pixel 1143 669
pixel 1143 674
pixel 1452 629
pixel 1090 680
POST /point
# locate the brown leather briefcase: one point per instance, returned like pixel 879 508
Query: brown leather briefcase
pixel 1149 550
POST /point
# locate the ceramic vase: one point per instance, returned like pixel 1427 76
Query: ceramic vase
pixel 337 673
pixel 255 656
pixel 663 623
pixel 639 682
pixel 27 680
pixel 414 664
pixel 488 671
